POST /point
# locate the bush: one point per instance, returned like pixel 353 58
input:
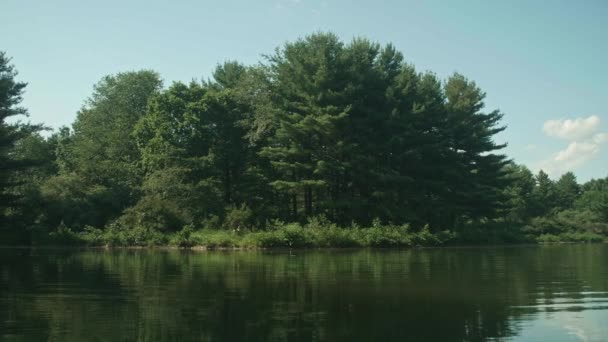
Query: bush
pixel 567 221
pixel 183 238
pixel 64 236
pixel 215 239
pixel 386 236
pixel 93 236
pixel 548 238
pixel 294 236
pixel 583 237
pixel 116 235
pixel 425 237
pixel 319 232
pixel 489 233
pixel 333 236
pixel 238 218
pixel 267 239
pixel 587 237
pixel 153 213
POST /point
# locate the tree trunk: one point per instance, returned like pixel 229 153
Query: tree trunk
pixel 308 201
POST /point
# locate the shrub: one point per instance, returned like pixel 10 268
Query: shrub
pixel 334 236
pixel 64 236
pixel 294 236
pixel 155 213
pixel 215 239
pixel 386 236
pixel 238 218
pixel 183 238
pixel 93 236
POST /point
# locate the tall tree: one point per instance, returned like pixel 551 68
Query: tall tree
pixel 545 194
pixel 199 132
pixel 10 133
pixel 594 197
pixel 479 175
pixel 361 135
pixel 520 200
pixel 308 78
pixel 99 160
pixel 567 190
pixel 103 149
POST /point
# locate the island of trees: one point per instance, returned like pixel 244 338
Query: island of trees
pixel 324 143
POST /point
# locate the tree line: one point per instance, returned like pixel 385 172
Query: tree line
pixel 347 131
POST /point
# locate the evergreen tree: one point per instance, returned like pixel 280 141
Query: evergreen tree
pixel 478 174
pixel 594 198
pixel 520 201
pixel 567 190
pixel 11 92
pixel 545 194
pixel 304 149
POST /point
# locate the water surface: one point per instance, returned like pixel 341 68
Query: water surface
pixel 546 293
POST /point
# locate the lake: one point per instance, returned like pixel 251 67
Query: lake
pixel 524 293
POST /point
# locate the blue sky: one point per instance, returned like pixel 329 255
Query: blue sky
pixel 544 64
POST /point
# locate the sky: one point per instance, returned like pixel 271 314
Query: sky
pixel 544 64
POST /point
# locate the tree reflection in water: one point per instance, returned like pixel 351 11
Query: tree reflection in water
pixel 436 294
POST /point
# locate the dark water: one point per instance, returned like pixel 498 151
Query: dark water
pixel 554 293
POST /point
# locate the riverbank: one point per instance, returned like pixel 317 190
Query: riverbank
pixel 304 236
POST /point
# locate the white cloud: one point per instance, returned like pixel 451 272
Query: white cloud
pixel 600 138
pixel 584 143
pixel 572 129
pixel 576 154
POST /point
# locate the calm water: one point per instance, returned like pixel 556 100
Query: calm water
pixel 554 293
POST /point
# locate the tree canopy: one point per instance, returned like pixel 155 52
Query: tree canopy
pixel 347 132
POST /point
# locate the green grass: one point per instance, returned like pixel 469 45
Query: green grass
pixel 315 234
pixel 291 235
pixel 571 237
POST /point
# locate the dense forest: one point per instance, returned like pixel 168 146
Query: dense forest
pixel 324 142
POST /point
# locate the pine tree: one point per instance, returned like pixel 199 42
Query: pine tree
pixel 479 174
pixel 10 133
pixel 304 149
pixel 568 190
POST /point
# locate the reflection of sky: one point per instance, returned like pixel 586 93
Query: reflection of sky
pixel 587 325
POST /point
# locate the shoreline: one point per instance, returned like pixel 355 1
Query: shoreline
pixel 202 248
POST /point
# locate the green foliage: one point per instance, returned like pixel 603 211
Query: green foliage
pixel 63 236
pixel 155 213
pixel 115 236
pixel 336 237
pixel 545 195
pixel 493 233
pixel 594 198
pixel 324 138
pixel 568 190
pixel 390 236
pixel 69 198
pixel 193 136
pixel 571 237
pixel 568 221
pixel 183 238
pixel 238 218
pixel 12 162
pixel 359 134
pixel 98 160
pixel 216 239
pixel 520 203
